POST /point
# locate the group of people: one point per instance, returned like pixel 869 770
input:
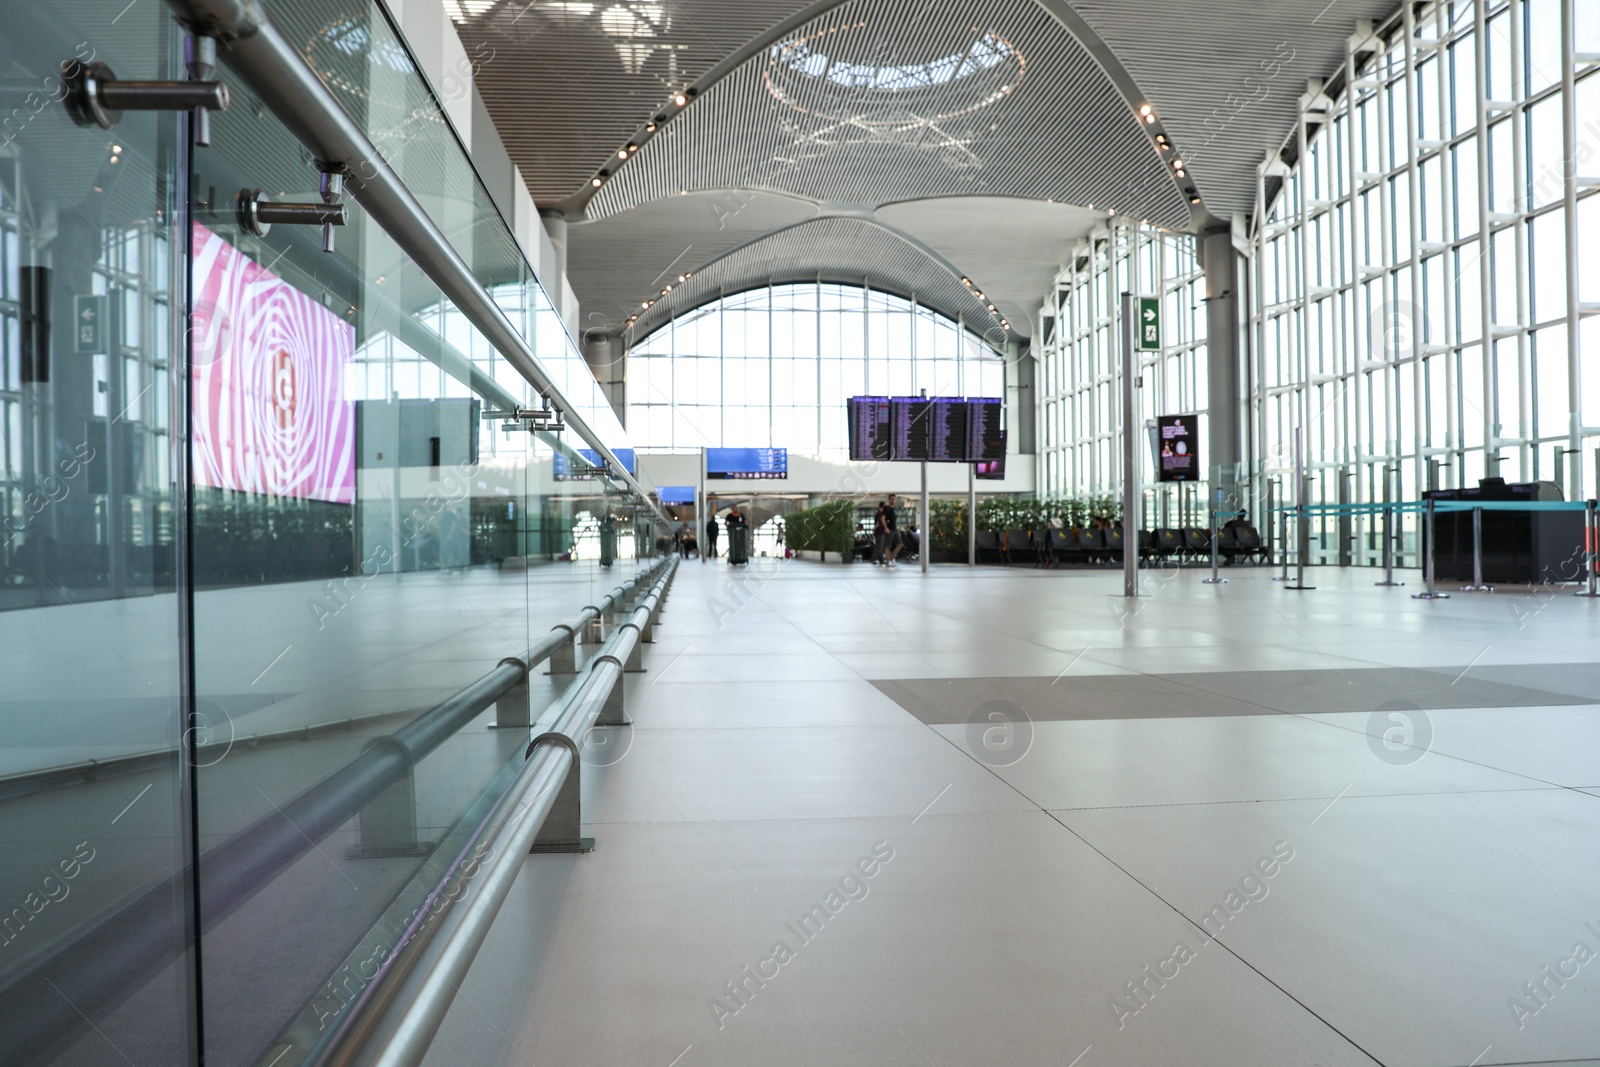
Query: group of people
pixel 684 539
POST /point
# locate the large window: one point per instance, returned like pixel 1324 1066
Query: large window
pixel 1081 399
pixel 1411 315
pixel 772 367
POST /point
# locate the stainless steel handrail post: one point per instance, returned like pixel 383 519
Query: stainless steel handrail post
pixel 1430 593
pixel 1477 585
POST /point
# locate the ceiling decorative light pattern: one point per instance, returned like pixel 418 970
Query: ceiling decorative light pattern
pixel 816 75
pixel 880 101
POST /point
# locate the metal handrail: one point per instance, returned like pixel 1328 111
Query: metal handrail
pixel 108 958
pixel 255 50
pixel 395 1017
pixel 26 783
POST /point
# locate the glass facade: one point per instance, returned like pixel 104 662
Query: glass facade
pixel 1409 309
pixel 258 517
pixel 1080 432
pixel 772 367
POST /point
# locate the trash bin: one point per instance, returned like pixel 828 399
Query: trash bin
pixel 738 545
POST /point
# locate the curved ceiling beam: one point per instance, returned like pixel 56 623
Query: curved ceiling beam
pixel 821 249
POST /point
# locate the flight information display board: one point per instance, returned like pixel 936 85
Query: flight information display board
pixel 936 430
pixel 986 435
pixel 869 428
pixel 909 428
pixel 947 430
pixel 676 494
pixel 751 463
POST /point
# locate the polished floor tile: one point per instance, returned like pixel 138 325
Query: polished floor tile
pixel 1368 821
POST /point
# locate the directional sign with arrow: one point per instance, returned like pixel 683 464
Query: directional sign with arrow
pixel 89 324
pixel 1149 324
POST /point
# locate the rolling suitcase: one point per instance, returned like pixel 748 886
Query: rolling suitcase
pixel 738 545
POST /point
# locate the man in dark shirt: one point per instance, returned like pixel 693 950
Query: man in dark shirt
pixel 711 536
pixel 889 521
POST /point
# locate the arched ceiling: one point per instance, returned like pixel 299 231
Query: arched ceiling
pixel 808 140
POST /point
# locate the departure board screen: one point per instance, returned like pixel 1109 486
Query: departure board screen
pixel 909 428
pixel 757 463
pixel 947 430
pixel 986 435
pixel 869 428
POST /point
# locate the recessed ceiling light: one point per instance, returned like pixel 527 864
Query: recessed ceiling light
pixel 680 100
pixel 596 182
pixel 1145 110
pixel 622 153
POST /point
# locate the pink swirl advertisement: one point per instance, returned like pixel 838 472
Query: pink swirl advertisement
pixel 270 414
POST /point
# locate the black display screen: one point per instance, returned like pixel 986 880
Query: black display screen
pixel 947 430
pixel 986 435
pixel 909 427
pixel 870 428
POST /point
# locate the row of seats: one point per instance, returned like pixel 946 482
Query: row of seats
pixel 1048 547
pixel 1194 542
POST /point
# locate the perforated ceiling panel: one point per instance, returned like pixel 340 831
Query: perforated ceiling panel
pixel 1226 76
pixel 884 100
pixel 855 251
pixel 570 81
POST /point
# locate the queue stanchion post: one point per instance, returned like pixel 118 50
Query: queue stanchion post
pixel 1430 593
pixel 1302 535
pixel 1477 585
pixel 1214 579
pixel 1283 542
pixel 1388 532
pixel 1591 548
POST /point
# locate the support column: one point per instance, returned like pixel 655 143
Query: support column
pixel 1221 263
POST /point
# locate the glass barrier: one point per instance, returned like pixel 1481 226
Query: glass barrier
pixel 238 555
pixel 91 292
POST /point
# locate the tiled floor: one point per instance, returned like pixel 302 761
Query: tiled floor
pixel 1216 829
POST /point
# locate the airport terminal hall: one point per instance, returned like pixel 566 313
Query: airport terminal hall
pixel 718 533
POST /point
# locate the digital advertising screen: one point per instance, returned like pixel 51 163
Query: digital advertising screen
pixel 565 473
pixel 869 428
pixel 747 463
pixel 947 430
pixel 909 428
pixel 986 435
pixel 1178 441
pixel 676 494
pixel 268 369
pixel 990 469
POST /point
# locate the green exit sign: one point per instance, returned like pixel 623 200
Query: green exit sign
pixel 1149 324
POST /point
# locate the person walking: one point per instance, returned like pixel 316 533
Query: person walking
pixel 711 536
pixel 890 524
pixel 880 536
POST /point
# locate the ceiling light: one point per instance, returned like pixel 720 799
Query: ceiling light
pixel 633 148
pixel 979 295
pixel 1194 200
pixel 650 128
pixel 1181 174
pixel 667 290
pixel 1150 119
pixel 1145 110
pixel 644 303
pixel 597 182
pixel 680 100
pixel 622 153
pixel 116 148
pixel 1005 326
pixel 1177 163
pixel 967 282
pixel 688 274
